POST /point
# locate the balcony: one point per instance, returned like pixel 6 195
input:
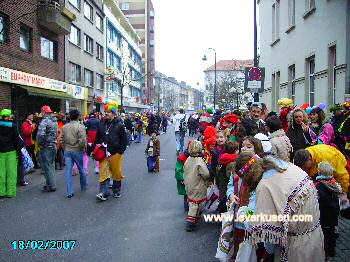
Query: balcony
pixel 55 17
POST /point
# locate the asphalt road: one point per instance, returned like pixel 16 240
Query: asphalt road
pixel 145 224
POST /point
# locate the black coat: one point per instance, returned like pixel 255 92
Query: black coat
pixel 329 206
pixel 113 134
pixel 297 138
pixel 249 127
pixel 8 136
pixel 92 124
pixel 128 124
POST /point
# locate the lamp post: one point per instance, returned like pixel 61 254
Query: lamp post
pixel 256 95
pixel 205 59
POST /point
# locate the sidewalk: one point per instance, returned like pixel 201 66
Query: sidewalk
pixel 343 242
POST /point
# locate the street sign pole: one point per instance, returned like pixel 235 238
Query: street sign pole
pixel 256 95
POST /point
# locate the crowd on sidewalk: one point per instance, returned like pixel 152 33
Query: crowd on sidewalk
pixel 281 164
pixel 49 141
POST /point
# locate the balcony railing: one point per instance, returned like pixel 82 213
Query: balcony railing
pixel 55 17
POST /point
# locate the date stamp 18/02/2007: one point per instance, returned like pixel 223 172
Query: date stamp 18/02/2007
pixel 44 244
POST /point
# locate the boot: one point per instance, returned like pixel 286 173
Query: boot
pixel 190 227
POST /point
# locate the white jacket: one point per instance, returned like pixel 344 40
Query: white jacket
pixel 177 119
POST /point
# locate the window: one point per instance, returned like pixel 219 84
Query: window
pixel 275 89
pixel 25 38
pixel 88 11
pixel 113 60
pixel 113 36
pixel 99 81
pixel 131 91
pixel 99 49
pixel 291 81
pixel 125 6
pixel 75 72
pixel 311 80
pixel 99 22
pixel 89 78
pixel 75 3
pixel 332 58
pixel 275 21
pixel 48 49
pixel 74 36
pixel 88 44
pixel 3 28
pixel 291 12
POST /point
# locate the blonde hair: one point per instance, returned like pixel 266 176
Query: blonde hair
pixel 195 148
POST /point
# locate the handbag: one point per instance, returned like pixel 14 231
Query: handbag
pixel 27 160
pixel 151 163
pixel 99 152
pixel 246 253
pixel 213 201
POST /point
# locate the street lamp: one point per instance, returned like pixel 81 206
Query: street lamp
pixel 205 59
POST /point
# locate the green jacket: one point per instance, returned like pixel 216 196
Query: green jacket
pixel 179 176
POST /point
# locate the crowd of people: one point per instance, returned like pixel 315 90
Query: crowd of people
pixel 49 141
pixel 281 164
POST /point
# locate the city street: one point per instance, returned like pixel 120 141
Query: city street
pixel 145 224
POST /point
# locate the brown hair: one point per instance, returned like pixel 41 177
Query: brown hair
pixel 230 147
pixel 258 148
pixel 253 176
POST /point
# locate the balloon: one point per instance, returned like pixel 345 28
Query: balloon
pixel 304 106
pixel 308 110
pixel 322 106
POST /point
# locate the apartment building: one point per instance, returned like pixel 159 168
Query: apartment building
pixel 84 52
pixel 32 56
pixel 123 60
pixel 304 46
pixel 140 13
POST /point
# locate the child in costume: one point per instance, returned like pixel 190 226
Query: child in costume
pixel 328 193
pixel 286 105
pixel 153 148
pixel 196 175
pixel 179 176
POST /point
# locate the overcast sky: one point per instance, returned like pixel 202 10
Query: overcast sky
pixel 184 29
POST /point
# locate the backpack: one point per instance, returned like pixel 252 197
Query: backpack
pixel 183 125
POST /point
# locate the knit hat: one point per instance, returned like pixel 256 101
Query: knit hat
pixel 210 111
pixel 267 146
pixel 231 118
pixel 325 169
pixel 5 112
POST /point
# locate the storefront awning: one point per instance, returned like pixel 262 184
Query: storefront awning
pixel 34 91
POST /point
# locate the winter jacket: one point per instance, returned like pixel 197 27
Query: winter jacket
pixel 8 136
pixel 281 146
pixel 47 132
pixel 196 175
pixel 328 199
pixel 327 135
pixel 222 178
pixel 179 173
pixel 92 124
pixel 177 119
pixel 249 127
pixel 298 138
pixel 155 144
pixel 113 134
pixel 128 124
pixel 73 137
pixel 332 155
pixel 27 130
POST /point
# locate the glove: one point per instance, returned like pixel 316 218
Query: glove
pixel 104 145
pixel 108 154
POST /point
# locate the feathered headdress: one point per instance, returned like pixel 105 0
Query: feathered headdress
pixel 285 102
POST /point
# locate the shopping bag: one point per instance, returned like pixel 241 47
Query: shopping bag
pixel 27 160
pixel 151 163
pixel 246 253
pixel 213 201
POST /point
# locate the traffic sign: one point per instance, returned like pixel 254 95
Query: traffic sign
pixel 254 79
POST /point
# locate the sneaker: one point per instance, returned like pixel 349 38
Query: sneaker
pixel 100 197
pixel 70 196
pixel 25 183
pixel 117 195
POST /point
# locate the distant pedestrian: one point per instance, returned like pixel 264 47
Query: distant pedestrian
pixel 180 130
pixel 164 122
pixel 73 141
pixel 153 149
pixel 28 128
pixel 91 129
pixel 47 142
pixel 138 129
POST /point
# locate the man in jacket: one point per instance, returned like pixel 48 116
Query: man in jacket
pixel 27 130
pixel 91 128
pixel 111 134
pixel 47 142
pixel 73 142
pixel 253 124
pixel 128 126
pixel 180 130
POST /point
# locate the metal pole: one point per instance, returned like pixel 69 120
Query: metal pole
pixel 215 81
pixel 256 95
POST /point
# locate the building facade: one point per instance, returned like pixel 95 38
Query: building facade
pixel 32 56
pixel 84 52
pixel 140 13
pixel 123 60
pixel 229 84
pixel 304 47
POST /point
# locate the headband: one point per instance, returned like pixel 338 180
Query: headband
pixel 247 166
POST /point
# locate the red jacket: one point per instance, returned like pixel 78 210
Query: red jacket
pixel 27 130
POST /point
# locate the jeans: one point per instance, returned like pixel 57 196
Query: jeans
pixel 47 158
pixel 180 138
pixel 128 133
pixel 72 157
pixel 164 128
pixel 139 136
